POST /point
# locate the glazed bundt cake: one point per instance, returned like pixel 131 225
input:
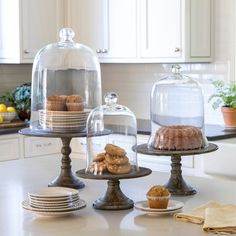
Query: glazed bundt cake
pixel 179 137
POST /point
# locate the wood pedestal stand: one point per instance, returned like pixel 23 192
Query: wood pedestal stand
pixel 176 184
pixel 66 177
pixel 114 198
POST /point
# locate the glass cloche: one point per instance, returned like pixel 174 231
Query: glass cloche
pixel 66 85
pixel 177 113
pixel 111 138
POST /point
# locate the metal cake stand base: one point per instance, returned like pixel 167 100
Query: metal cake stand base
pixel 66 177
pixel 114 198
pixel 176 184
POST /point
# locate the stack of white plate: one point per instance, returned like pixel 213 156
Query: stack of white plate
pixel 60 121
pixel 54 201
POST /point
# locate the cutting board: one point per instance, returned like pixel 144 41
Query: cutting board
pixel 13 124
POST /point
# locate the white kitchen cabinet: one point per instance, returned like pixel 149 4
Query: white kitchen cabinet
pixel 26 26
pixel 139 31
pixel 107 26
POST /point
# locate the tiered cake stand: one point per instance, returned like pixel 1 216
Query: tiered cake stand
pixel 114 199
pixel 66 177
pixel 176 184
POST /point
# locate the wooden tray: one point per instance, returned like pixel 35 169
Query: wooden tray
pixel 13 124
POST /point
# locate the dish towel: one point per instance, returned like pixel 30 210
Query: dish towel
pixel 197 215
pixel 220 220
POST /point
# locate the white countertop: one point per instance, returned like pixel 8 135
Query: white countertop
pixel 21 176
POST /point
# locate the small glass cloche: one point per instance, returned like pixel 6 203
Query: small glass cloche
pixel 111 138
pixel 177 113
pixel 66 85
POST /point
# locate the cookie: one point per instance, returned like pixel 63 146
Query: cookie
pixel 100 157
pixel 74 99
pixel 116 160
pixel 119 169
pixel 114 150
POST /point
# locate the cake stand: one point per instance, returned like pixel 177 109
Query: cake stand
pixel 176 184
pixel 66 177
pixel 114 198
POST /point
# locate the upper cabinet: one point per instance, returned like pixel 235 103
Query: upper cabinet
pixel 109 27
pixel 26 26
pixel 119 31
pixel 144 30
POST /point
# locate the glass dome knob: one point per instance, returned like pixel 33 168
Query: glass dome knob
pixel 67 34
pixel 176 69
pixel 111 98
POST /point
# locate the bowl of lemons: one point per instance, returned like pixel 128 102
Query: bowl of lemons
pixel 7 114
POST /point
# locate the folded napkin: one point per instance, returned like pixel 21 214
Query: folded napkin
pixel 197 215
pixel 220 220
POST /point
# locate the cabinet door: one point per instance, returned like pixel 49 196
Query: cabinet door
pixel 107 26
pixel 88 18
pixel 41 23
pixel 160 28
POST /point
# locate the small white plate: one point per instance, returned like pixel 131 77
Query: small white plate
pixel 173 206
pixel 54 192
pixel 53 213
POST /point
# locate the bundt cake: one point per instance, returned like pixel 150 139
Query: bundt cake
pixel 179 137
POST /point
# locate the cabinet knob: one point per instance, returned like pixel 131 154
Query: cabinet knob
pixel 177 50
pixel 26 52
pixel 98 51
pixel 104 50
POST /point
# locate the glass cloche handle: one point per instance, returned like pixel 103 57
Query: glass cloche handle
pixel 67 34
pixel 111 98
pixel 176 69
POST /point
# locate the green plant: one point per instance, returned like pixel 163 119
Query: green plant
pixel 225 94
pixel 20 98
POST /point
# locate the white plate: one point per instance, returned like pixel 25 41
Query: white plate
pixel 53 213
pixel 39 202
pixel 54 192
pixel 173 206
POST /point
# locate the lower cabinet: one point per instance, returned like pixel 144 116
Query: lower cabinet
pixel 15 146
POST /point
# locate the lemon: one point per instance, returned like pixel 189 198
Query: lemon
pixel 11 109
pixel 1 119
pixel 3 108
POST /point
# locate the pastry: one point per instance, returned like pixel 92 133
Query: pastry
pixel 75 103
pixel 119 169
pixel 116 160
pixel 56 103
pixel 100 157
pixel 158 197
pixel 179 137
pixel 97 168
pixel 114 150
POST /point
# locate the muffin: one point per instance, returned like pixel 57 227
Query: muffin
pixel 158 197
pixel 56 103
pixel 74 103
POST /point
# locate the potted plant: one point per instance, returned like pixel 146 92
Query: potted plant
pixel 20 98
pixel 225 96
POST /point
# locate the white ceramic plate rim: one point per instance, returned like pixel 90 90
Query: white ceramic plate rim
pixel 54 192
pixel 173 205
pixel 52 202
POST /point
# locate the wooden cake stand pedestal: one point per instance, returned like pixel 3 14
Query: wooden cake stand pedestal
pixel 114 199
pixel 176 184
pixel 66 177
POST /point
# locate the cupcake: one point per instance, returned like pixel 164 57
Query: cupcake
pixel 56 103
pixel 158 197
pixel 75 103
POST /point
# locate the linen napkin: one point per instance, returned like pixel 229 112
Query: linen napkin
pixel 220 220
pixel 197 215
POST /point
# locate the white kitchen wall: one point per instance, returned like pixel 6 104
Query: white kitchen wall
pixel 133 82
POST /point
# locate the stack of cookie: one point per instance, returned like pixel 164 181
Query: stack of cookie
pixel 114 160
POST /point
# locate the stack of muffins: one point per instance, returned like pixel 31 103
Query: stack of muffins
pixel 113 160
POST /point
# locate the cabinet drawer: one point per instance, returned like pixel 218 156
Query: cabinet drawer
pixel 9 149
pixel 41 146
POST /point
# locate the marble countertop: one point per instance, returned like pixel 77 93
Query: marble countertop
pixel 21 176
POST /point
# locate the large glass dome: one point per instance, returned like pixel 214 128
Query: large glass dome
pixel 111 139
pixel 66 85
pixel 177 113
